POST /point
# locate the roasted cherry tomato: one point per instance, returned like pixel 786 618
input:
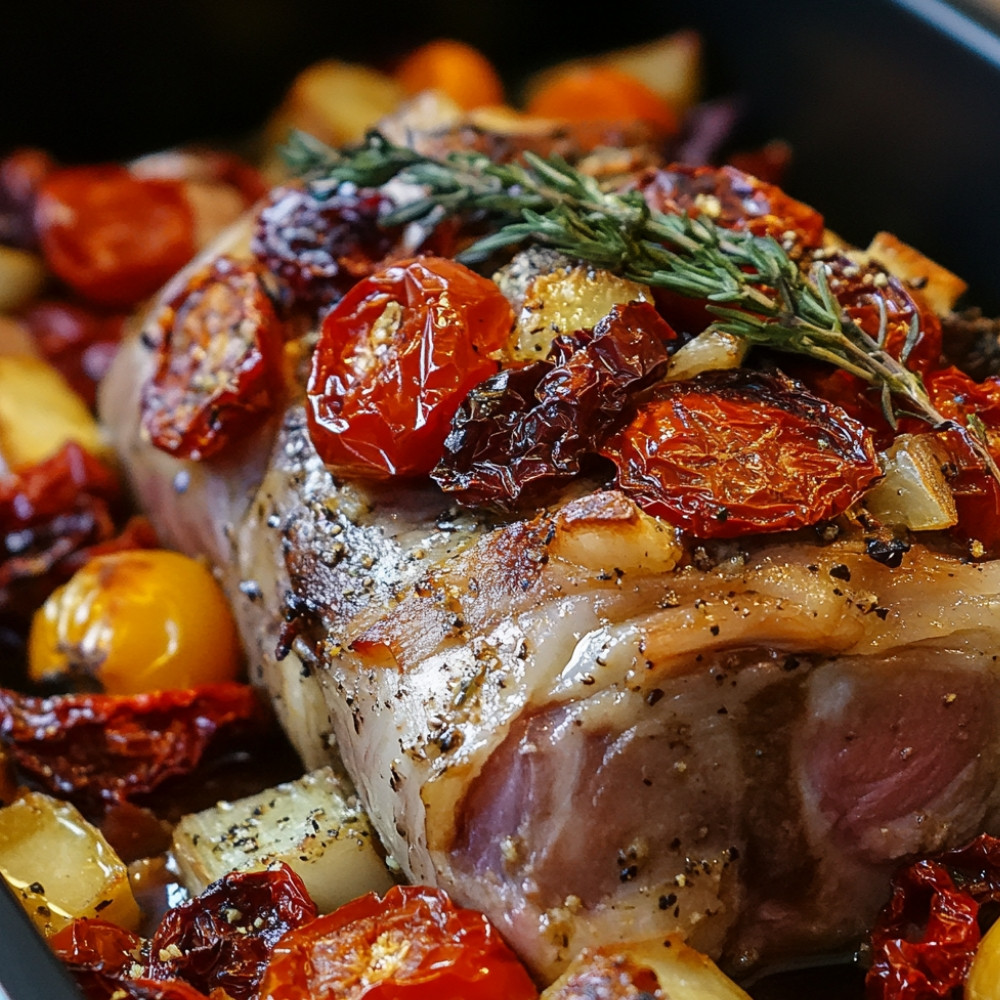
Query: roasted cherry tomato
pixel 412 943
pixel 396 357
pixel 884 308
pixel 136 621
pixel 21 175
pixel 601 93
pixel 219 372
pixel 111 236
pixel 734 200
pixel 49 514
pixel 729 453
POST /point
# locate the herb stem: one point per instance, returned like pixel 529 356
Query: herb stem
pixel 752 285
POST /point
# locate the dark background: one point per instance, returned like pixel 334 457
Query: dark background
pixel 895 124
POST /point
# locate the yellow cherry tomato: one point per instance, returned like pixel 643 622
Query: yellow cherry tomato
pixel 141 620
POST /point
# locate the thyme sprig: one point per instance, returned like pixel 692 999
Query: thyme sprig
pixel 755 289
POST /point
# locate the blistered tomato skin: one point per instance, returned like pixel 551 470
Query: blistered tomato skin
pixel 112 237
pixel 219 371
pixel 395 358
pixel 732 453
pixel 734 200
pixel 411 944
pixel 136 621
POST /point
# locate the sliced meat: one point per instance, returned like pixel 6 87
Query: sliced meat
pixel 581 726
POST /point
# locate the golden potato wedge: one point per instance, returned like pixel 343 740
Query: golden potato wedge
pixel 315 825
pixel 61 867
pixel 670 66
pixel 983 981
pixel 40 412
pixel 939 288
pixel 567 300
pixel 335 101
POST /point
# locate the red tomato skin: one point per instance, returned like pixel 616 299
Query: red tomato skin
pixel 110 236
pixel 395 358
pixel 443 952
pixel 200 398
pixel 735 452
pixel 738 200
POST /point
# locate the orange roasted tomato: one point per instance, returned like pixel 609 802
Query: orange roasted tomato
pixel 411 944
pixel 736 452
pixel 111 236
pixel 136 621
pixel 219 350
pixel 586 93
pixel 396 356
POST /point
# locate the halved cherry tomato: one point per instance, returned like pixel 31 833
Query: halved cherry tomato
pixel 601 93
pixel 456 68
pixel 111 236
pixel 144 620
pixel 219 372
pixel 396 357
pixel 733 199
pixel 728 453
pixel 412 943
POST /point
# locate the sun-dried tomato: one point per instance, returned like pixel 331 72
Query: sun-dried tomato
pixel 881 305
pixel 219 373
pixel 112 237
pixel 21 175
pixel 395 358
pixel 78 340
pixel 224 937
pixel 97 749
pixel 733 452
pixel 526 429
pixel 734 200
pixel 49 513
pixel 926 936
pixel 99 955
pixel 321 246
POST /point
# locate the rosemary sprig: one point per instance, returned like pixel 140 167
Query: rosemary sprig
pixel 753 287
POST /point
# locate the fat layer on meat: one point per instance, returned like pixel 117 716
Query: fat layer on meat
pixel 580 726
